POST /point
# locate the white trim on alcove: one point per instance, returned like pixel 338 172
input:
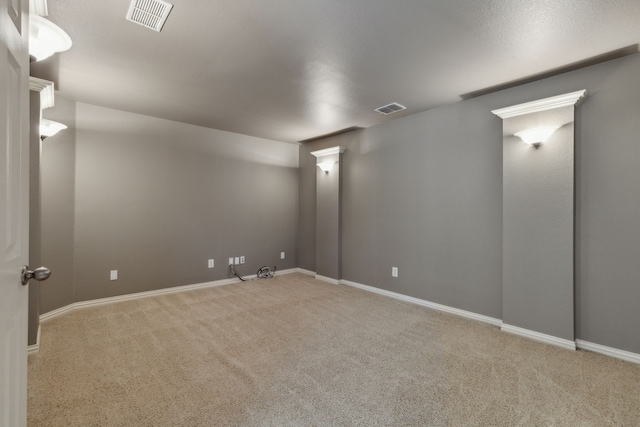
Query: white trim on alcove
pixel 541 104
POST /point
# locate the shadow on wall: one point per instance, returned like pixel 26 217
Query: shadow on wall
pixel 96 119
pixel 156 199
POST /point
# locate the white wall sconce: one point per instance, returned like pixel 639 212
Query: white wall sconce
pixel 45 38
pixel 326 166
pixel 49 128
pixel 536 136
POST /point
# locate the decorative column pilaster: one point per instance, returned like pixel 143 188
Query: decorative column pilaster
pixel 328 214
pixel 538 219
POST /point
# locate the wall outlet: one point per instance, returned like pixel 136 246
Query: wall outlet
pixel 394 271
pixel 237 260
pixel 231 261
pixel 210 263
pixel 113 275
pixel 242 259
pixel 281 255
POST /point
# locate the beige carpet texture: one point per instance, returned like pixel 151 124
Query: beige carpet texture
pixel 294 351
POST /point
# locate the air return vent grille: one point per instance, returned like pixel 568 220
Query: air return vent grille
pixel 394 107
pixel 149 13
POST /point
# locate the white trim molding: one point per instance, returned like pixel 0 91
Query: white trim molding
pixel 329 151
pixel 128 297
pixel 549 339
pixel 46 89
pixel 538 336
pixel 287 271
pixel 35 348
pixel 328 279
pixel 609 351
pixel 424 303
pixel 541 105
pixel 307 272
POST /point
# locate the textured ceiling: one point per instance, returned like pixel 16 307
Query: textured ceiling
pixel 292 70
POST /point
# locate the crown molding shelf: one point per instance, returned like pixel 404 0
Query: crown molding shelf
pixel 328 151
pixel 541 105
pixel 46 89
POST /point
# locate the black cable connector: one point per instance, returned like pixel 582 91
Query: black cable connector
pixel 233 270
pixel 265 272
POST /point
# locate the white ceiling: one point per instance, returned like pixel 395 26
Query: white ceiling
pixel 291 70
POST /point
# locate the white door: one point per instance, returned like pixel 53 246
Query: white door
pixel 14 210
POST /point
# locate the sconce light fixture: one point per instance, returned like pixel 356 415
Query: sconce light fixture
pixel 45 38
pixel 536 136
pixel 326 166
pixel 50 128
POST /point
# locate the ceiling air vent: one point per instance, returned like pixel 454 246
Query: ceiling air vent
pixel 394 107
pixel 149 13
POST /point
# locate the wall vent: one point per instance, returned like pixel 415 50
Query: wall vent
pixel 149 13
pixel 394 107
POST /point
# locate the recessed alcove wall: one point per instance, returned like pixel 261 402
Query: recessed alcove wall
pixel 538 220
pixel 328 215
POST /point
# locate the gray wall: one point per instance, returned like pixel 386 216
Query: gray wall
pixel 424 193
pixel 328 221
pixel 538 226
pixel 34 213
pixel 155 199
pixel 413 193
pixel 608 206
pixel 307 219
pixel 57 168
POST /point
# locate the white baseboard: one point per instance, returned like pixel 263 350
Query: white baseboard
pixel 538 336
pixel 609 351
pixel 307 272
pixel 424 303
pixel 137 295
pixel 328 279
pixel 57 312
pixel 34 348
pixel 287 271
pixel 549 339
pixel 128 297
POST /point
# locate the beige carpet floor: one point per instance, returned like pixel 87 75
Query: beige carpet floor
pixel 293 351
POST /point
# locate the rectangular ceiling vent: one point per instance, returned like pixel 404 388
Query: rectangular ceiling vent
pixel 149 13
pixel 394 107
